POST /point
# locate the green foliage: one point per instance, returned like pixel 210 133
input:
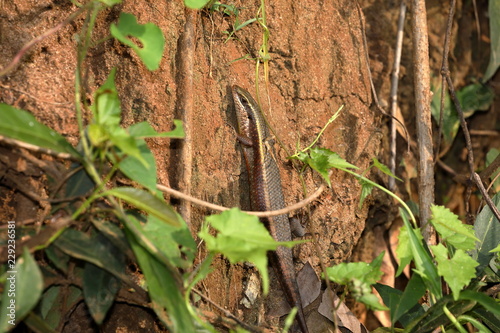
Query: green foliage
pixel 494 13
pixel 452 231
pixel 457 270
pixel 112 226
pixel 404 305
pixel 472 98
pixel 490 157
pixel 21 125
pixel 165 292
pixel 487 230
pixel 22 290
pixel 241 237
pixel 196 4
pixel 148 34
pixel 146 201
pixel 322 160
pixel 100 289
pixel 359 277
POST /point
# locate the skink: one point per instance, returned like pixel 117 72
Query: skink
pixel 265 190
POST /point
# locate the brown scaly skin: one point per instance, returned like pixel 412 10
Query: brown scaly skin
pixel 265 191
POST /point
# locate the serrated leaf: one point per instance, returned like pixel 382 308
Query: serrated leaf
pixel 368 273
pixel 148 34
pixel 366 189
pixel 322 159
pixel 146 201
pixel 457 271
pixel 21 125
pixel 384 169
pixel 359 277
pixel 100 289
pixel 22 290
pixel 487 229
pixel 451 229
pixel 165 293
pixel 493 13
pixel 145 130
pixel 241 238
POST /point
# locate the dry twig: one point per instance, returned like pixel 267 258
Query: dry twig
pixel 423 117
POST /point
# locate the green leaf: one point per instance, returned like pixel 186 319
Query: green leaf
pixel 489 303
pixel 366 189
pixel 106 107
pixel 148 34
pixel 146 201
pixel 372 302
pixel 457 271
pixel 166 295
pixel 241 238
pixel 37 324
pixel 195 4
pixel 322 159
pixel 145 130
pixel 487 230
pixel 435 317
pixel 21 125
pixel 474 97
pixel 114 234
pixel 100 289
pixel 384 169
pixel 22 290
pixel 55 302
pixel 142 173
pixel 451 229
pixel 80 183
pixel 404 250
pixel 344 273
pixel 424 265
pixel 451 122
pixel 96 250
pixel 57 257
pixel 110 3
pixel 127 144
pixel 493 13
pixel 404 305
pixel 359 277
pixel 488 318
pixel 176 243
